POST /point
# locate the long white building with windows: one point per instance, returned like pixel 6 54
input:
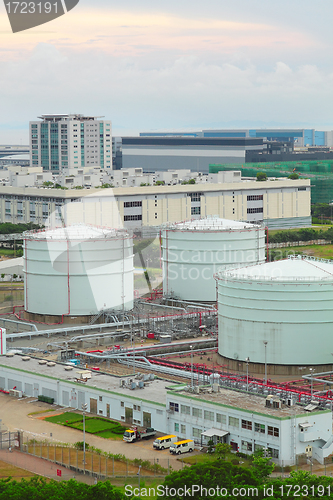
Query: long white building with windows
pixel 241 419
pixel 70 140
pixel 277 204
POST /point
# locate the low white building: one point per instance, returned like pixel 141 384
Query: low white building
pixel 244 420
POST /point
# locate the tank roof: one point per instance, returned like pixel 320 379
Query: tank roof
pixel 76 232
pixel 211 224
pixel 291 269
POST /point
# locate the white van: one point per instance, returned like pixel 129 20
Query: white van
pixel 182 446
pixel 164 442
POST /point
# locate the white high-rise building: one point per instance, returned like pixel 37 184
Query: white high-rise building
pixel 61 141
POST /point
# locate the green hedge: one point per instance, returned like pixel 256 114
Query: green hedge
pixel 46 399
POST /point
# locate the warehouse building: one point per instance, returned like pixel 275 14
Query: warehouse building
pixel 277 204
pixel 247 423
pixel 194 153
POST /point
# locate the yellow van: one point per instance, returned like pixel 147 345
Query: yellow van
pixel 164 442
pixel 182 446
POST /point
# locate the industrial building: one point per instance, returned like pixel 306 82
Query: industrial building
pixel 70 140
pixel 278 204
pixel 320 172
pixel 247 423
pixel 192 252
pixel 277 314
pixel 299 137
pixel 77 271
pixel 194 153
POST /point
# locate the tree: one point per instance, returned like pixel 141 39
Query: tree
pixel 262 465
pixel 261 176
pixel 221 449
pixel 210 446
pixel 293 176
pixel 210 475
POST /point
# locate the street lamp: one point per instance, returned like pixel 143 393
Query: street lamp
pixel 247 374
pixel 265 344
pixel 191 347
pixel 311 373
pixel 138 474
pixel 84 409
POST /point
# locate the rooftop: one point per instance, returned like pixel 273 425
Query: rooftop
pixel 211 224
pixel 291 269
pixel 246 401
pixel 75 232
pixel 153 391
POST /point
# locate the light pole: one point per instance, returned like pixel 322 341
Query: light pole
pixel 84 409
pixel 265 344
pixel 247 374
pixel 191 347
pixel 138 474
pixel 311 372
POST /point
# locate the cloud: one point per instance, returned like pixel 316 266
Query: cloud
pixel 160 66
pixel 184 92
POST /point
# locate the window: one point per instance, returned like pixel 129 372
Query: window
pixel 196 432
pixel 257 210
pixel 209 415
pixel 197 412
pixel 128 204
pixel 221 419
pixel 301 189
pixel 174 407
pixel 234 422
pixel 183 429
pixel 258 447
pixel 273 452
pixel 273 431
pixel 185 409
pixel 132 217
pixel 122 403
pixel 255 197
pixel 259 428
pixel 176 427
pixel 247 424
pixel 195 196
pixel 195 210
pixel 246 446
pixel 101 398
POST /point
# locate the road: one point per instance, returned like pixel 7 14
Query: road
pixel 14 414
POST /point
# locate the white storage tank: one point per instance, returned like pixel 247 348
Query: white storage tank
pixel 192 252
pixel 78 270
pixel 284 308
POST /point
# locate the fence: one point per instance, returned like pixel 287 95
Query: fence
pixel 7 440
pixel 93 463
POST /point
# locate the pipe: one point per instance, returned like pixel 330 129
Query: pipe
pixel 161 305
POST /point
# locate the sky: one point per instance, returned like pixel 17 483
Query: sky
pixel 172 66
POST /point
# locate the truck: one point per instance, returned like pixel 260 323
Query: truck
pixel 131 435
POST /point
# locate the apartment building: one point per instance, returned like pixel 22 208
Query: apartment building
pixel 70 140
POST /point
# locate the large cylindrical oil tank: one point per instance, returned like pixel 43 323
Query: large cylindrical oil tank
pixel 279 313
pixel 78 270
pixel 192 252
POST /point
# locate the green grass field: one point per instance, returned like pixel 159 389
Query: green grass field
pixel 64 418
pixel 93 425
